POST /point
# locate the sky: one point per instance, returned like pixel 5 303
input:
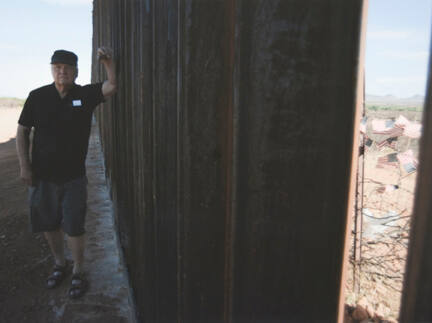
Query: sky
pixel 397 43
pixel 30 31
pixel 397 47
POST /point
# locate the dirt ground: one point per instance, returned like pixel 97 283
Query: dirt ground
pixel 25 259
pixel 8 123
pixel 375 278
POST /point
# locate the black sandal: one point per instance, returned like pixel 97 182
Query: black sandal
pixel 78 287
pixel 57 276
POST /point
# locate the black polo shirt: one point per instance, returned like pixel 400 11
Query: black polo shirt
pixel 62 130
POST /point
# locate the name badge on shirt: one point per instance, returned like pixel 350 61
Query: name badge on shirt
pixel 76 103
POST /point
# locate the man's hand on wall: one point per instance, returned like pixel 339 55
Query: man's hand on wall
pixel 105 55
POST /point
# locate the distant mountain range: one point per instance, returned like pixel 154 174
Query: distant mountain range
pixel 391 100
pixel 379 100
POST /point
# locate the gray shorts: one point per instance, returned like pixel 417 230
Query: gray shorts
pixel 54 206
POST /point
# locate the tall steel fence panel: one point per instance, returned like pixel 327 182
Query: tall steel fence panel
pixel 417 290
pixel 228 149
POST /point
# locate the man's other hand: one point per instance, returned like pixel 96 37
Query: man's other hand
pixel 27 176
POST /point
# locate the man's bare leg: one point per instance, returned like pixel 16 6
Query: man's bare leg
pixel 56 243
pixel 77 245
pixel 79 283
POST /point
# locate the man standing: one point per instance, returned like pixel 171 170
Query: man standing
pixel 61 114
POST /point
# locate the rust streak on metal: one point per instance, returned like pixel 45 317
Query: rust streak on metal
pixel 211 146
pixel 229 208
pixel 354 156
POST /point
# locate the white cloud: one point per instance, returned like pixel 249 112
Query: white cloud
pixel 387 34
pixel 405 55
pixel 69 2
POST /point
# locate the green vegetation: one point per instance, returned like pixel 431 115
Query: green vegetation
pixel 393 108
pixel 11 102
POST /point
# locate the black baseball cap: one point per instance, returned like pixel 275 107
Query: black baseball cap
pixel 64 57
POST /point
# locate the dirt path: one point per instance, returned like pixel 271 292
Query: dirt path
pixel 8 123
pixel 25 259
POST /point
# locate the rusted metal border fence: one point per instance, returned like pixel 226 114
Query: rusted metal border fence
pixel 417 291
pixel 228 148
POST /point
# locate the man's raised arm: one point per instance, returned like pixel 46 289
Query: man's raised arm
pixel 105 56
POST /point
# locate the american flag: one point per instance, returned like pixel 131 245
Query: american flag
pixel 408 161
pixel 413 130
pixel 367 143
pixel 402 122
pixel 409 168
pixel 387 188
pixel 386 127
pixel 382 125
pixel 363 124
pixel 390 142
pixel 388 160
pixel 391 188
